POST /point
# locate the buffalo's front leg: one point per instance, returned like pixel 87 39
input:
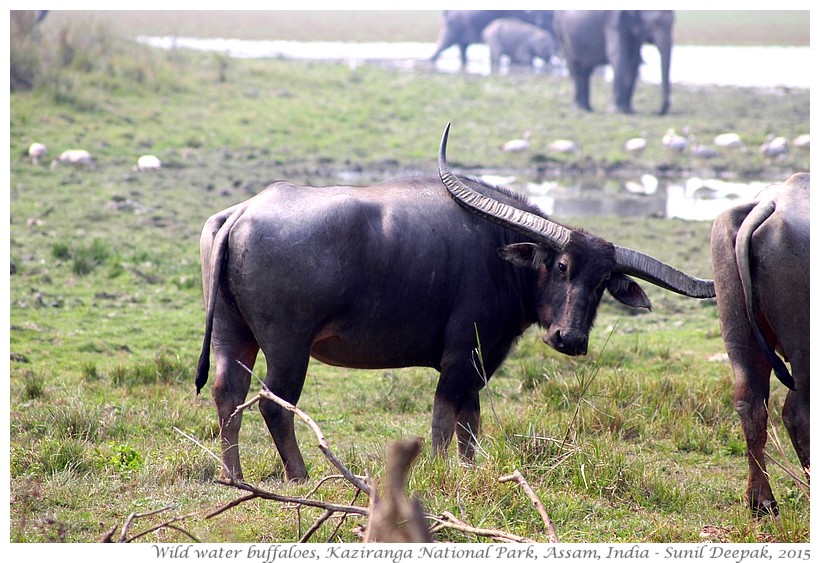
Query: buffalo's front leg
pixel 467 427
pixel 285 379
pixel 456 410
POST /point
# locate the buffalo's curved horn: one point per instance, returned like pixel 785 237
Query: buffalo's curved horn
pixel 557 237
pixel 663 275
pixel 538 228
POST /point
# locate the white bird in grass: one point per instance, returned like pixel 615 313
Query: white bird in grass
pixel 802 141
pixel 147 162
pixel 517 145
pixel 635 145
pixel 76 157
pixel 674 142
pixel 564 146
pixel 729 141
pixel 701 151
pixel 37 151
pixel 774 146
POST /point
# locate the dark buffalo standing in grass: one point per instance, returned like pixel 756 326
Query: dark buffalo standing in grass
pixel 760 256
pixel 406 273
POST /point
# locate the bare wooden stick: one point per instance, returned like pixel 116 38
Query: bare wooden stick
pixel 448 520
pixel 518 478
pixel 257 492
pixel 326 479
pixel 323 445
pixel 134 515
pixel 343 518
pixel 123 538
pixel 228 506
pixel 169 524
pixel 316 525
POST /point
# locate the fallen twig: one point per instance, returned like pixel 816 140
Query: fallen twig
pixel 123 538
pixel 326 479
pixel 228 506
pixel 518 478
pixel 323 445
pixel 316 525
pixel 397 471
pixel 260 493
pixel 448 520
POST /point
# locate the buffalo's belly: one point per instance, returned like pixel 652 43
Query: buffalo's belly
pixel 375 352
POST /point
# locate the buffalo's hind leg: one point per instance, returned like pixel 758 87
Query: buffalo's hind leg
pixel 796 411
pixel 751 399
pixel 230 390
pixel 287 367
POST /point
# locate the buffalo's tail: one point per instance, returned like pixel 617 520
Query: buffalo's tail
pixel 743 244
pixel 215 265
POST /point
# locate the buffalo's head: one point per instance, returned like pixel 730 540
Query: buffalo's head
pixel 573 267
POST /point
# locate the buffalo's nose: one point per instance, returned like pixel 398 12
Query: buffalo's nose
pixel 567 341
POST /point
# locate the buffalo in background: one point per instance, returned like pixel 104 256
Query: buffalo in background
pixel 760 258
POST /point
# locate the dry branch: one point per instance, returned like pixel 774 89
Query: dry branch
pixel 401 514
pixel 448 520
pixel 261 493
pixel 109 536
pixel 518 478
pixel 323 445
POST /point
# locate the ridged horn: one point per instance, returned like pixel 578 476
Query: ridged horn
pixel 557 237
pixel 651 269
pixel 533 226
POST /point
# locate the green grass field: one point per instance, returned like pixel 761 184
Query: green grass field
pixel 636 442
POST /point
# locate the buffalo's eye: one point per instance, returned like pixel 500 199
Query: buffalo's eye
pixel 562 267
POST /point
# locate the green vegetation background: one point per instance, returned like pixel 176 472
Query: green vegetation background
pixel 637 441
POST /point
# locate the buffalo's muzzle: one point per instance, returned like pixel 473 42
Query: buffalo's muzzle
pixel 567 341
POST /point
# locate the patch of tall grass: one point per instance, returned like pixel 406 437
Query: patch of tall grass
pixel 164 368
pixel 82 57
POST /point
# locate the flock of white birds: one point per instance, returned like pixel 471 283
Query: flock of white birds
pixel 81 158
pixel 773 146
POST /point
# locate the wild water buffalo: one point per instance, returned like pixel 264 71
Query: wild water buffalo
pixel 760 257
pixel 398 274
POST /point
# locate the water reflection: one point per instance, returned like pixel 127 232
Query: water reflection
pixel 694 199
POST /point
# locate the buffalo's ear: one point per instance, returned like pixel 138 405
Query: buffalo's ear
pixel 525 254
pixel 627 291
